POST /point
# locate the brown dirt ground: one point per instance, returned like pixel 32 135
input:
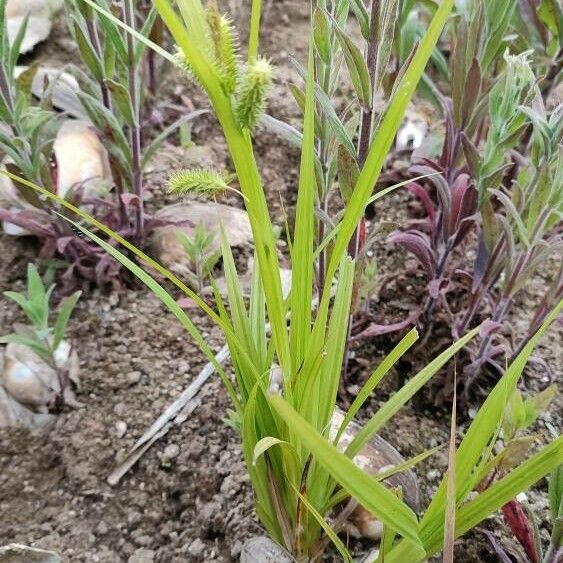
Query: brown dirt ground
pixel 53 490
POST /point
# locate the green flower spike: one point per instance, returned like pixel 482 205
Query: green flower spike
pixel 253 93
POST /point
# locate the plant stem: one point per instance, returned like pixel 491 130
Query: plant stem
pixel 323 150
pixel 135 132
pixel 367 113
pixel 95 40
pixel 364 143
pixel 431 301
pixel 254 29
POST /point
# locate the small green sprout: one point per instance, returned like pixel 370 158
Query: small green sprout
pixel 202 254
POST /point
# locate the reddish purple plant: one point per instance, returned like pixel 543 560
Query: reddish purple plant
pixel 448 222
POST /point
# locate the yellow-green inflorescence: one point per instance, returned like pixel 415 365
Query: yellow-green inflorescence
pixel 253 92
pixel 225 47
pixel 199 181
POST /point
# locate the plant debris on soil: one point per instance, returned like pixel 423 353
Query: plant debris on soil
pixel 189 499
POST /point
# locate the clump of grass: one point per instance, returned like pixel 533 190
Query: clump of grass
pixel 298 475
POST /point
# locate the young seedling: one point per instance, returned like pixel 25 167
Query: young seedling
pixel 44 339
pixel 202 253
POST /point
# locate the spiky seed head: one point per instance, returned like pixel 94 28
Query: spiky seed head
pixel 225 47
pixel 182 62
pixel 253 92
pixel 199 181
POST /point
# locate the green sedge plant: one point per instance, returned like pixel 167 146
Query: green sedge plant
pixel 286 376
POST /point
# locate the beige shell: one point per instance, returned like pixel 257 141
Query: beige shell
pixel 30 381
pixel 169 250
pixel 39 24
pixel 82 160
pixel 376 456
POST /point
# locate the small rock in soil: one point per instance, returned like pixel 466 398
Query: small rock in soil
pixel 133 377
pixel 142 556
pixel 120 428
pixel 197 547
pixel 170 453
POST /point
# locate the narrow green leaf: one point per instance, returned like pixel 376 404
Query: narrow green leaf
pixel 357 68
pixel 555 490
pixel 87 52
pixel 504 490
pixel 451 501
pixel 263 445
pixel 62 320
pixel 155 144
pixel 122 100
pixel 322 35
pixel 303 240
pixel 337 542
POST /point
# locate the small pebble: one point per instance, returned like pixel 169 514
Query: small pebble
pixel 133 377
pixel 170 452
pixel 197 547
pixel 142 556
pixel 120 428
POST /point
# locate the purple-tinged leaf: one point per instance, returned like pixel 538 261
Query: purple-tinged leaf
pixel 471 92
pixel 62 243
pixel 519 523
pixel 471 155
pixel 417 190
pixel 435 287
pixel 130 199
pixel 464 201
pixel 501 554
pixel 464 228
pixel 375 329
pixel 480 265
pixel 442 191
pixel 26 220
pixel 417 244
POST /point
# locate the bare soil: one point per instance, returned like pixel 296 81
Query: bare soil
pixel 136 359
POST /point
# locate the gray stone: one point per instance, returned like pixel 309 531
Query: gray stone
pixel 142 556
pixel 17 553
